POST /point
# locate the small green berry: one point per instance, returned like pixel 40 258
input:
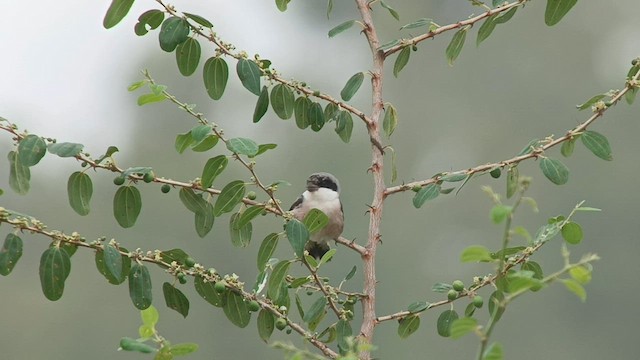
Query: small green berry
pixel 189 262
pixel 458 285
pixel 165 188
pixel 281 323
pixel 148 177
pixel 182 279
pixel 309 292
pixel 84 164
pixel 495 173
pixel 288 331
pixel 118 180
pixel 251 195
pixel 478 301
pixel 416 188
pixel 414 48
pixel 452 295
pixel 253 306
pixel 219 287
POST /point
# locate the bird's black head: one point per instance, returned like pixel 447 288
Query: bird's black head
pixel 322 180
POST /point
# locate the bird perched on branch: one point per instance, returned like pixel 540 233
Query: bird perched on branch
pixel 323 194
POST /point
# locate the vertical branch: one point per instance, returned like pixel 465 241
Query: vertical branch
pixel 375 211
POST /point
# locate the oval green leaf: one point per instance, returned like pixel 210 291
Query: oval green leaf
pixel 188 56
pixel 192 201
pixel 214 167
pixel 207 291
pixel 444 322
pixel 266 323
pixel 343 331
pixel 204 220
pixel 55 266
pixel 174 31
pixel 243 146
pixel 236 310
pixel 266 250
pixel 572 233
pixel 455 46
pixel 554 170
pixel 298 235
pixel 229 197
pixel 390 121
pixel 262 105
pixel 316 116
pixel 316 310
pixel 112 261
pixel 428 192
pixel 199 19
pixel 102 268
pixel 408 325
pixel 116 12
pixel 315 220
pixel 31 150
pixel 567 147
pixel 249 74
pixel 486 29
pixel 276 280
pixel 597 144
pixel 282 100
pixel 175 299
pixel 126 206
pixel 344 126
pixel 352 86
pixel 79 191
pixel 65 149
pixel 247 215
pixel 240 236
pixel 301 112
pixel 340 28
pixel 556 10
pixel 215 74
pixel 402 60
pixel 475 253
pixel 10 253
pixel 19 175
pixel 140 286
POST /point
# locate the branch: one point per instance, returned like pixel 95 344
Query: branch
pixel 549 142
pixel 442 29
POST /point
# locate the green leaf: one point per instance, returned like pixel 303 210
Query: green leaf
pixel 262 148
pixel 401 60
pixel 267 247
pixel 207 291
pixel 282 100
pixel 301 112
pixel 262 105
pixel 183 349
pixel 152 18
pixel 390 121
pixel 298 235
pixel 344 126
pixel 533 267
pixel 174 31
pixel 249 74
pixel 408 325
pixel 192 201
pixel 65 149
pixel 463 326
pixel 493 352
pixel 242 146
pixel 343 331
pixel 229 197
pixel 532 145
pixel 116 12
pixel 418 306
pixel 486 29
pixel 576 288
pixel 476 253
pixel 597 144
pixel 240 236
pixel 455 46
pixel 556 10
pixel 113 263
pixel 205 144
pixel 279 273
pixel 352 86
pixel 388 45
pixel 580 274
pixel 282 4
pixel 392 11
pixel 554 170
pixel 188 56
pixel 247 215
pixel 10 253
pixel 340 28
pixel 567 147
pixel 199 19
pixel 126 205
pixel 500 212
pixel 150 98
pixel 102 267
pixel 236 310
pixel 215 74
pixel 130 344
pixel 512 180
pixel 572 233
pixel 204 220
pixel 266 323
pixel 19 175
pixel 140 286
pixel 214 167
pixel 496 306
pixel 79 191
pixel 504 17
pixel 445 320
pixel 175 299
pixel 183 141
pixel 316 116
pixel 428 192
pixel 591 101
pixel 316 310
pixel 454 177
pixel 315 220
pixel 331 112
pixel 55 267
pixel 150 316
pixel 31 150
pixel 630 95
pixel 417 23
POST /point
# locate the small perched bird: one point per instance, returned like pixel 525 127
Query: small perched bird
pixel 322 194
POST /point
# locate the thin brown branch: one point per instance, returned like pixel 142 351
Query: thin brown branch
pixel 323 289
pixel 534 154
pixel 445 28
pixel 352 245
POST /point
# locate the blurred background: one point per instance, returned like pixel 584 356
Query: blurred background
pixel 64 76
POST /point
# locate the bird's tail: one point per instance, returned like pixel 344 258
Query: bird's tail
pixel 317 250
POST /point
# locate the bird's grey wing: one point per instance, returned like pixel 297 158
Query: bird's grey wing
pixel 296 204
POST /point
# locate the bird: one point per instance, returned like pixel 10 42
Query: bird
pixel 323 193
